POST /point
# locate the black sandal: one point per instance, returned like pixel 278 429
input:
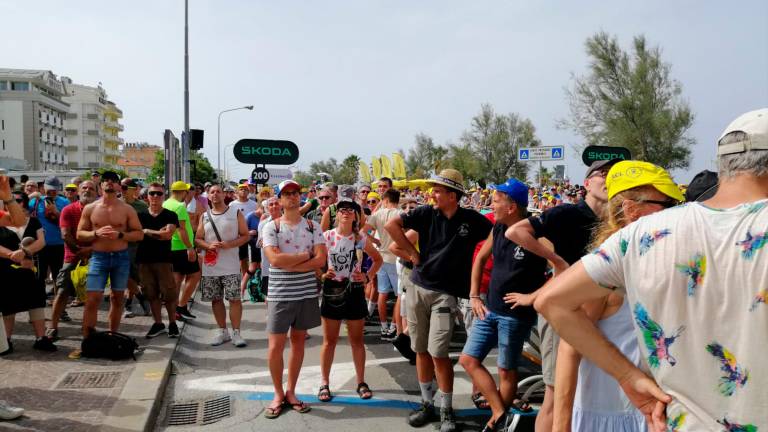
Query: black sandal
pixel 480 401
pixel 364 391
pixel 522 406
pixel 324 393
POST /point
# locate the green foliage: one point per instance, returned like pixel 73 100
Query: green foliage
pixel 630 100
pixel 342 173
pixel 419 161
pixel 156 173
pixel 200 171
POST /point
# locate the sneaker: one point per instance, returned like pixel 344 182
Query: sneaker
pixel 222 335
pixel 447 420
pixel 8 412
pixel 184 312
pixel 52 333
pixel 173 330
pixel 238 340
pixel 44 344
pixel 392 334
pixel 423 415
pixel 384 334
pixel 129 312
pixel 65 317
pixel 156 330
pixel 9 350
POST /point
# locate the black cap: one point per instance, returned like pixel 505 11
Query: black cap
pixel 95 173
pixel 598 165
pixel 348 203
pixel 110 175
pixel 131 183
pixel 702 187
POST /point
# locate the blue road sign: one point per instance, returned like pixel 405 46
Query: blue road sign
pixel 557 152
pixel 522 154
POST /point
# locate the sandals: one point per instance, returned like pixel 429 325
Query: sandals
pixel 324 394
pixel 274 412
pixel 364 391
pixel 300 407
pixel 480 402
pixel 499 424
pixel 521 405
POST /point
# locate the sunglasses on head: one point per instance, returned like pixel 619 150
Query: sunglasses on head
pixel 155 193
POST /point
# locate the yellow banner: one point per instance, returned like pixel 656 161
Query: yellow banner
pixel 398 165
pixel 386 167
pixel 365 173
pixel 376 167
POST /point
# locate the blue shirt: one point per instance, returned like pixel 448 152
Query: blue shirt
pixel 50 228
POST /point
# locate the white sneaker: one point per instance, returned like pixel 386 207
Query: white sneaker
pixel 8 412
pixel 238 340
pixel 222 335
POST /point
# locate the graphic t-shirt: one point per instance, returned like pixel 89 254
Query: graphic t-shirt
pixel 377 220
pixel 343 254
pixel 181 212
pixel 152 250
pixel 697 283
pixel 287 285
pixel 68 221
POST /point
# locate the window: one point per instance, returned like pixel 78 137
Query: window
pixel 3 85
pixel 2 123
pixel 20 86
pixel 3 144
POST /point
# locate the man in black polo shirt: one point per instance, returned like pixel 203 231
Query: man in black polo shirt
pixel 514 269
pixel 569 228
pixel 448 235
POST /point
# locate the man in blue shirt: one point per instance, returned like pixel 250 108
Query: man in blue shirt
pixel 47 209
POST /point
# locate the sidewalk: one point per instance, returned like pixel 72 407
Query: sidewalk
pixel 113 396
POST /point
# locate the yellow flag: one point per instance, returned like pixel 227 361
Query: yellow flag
pixel 376 167
pixel 386 167
pixel 365 173
pixel 399 165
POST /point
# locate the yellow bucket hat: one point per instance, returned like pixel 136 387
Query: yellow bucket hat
pixel 179 186
pixel 373 195
pixel 630 174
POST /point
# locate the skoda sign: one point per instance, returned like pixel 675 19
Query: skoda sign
pixel 272 152
pixel 596 153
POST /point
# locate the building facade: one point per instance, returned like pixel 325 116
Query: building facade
pixel 32 113
pixel 138 159
pixel 92 127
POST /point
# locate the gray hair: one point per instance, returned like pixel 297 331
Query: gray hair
pixel 754 162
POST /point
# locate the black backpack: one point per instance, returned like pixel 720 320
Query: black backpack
pixel 111 345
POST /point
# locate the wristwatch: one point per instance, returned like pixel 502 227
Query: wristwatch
pixel 120 235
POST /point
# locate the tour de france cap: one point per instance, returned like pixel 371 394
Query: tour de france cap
pixel 754 125
pixel 179 185
pixel 287 184
pixel 630 174
pixel 514 189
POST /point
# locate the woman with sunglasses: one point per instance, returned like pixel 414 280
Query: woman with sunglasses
pixel 343 294
pixel 586 398
pixel 18 268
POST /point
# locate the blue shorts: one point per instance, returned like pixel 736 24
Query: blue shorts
pixel 113 265
pixel 386 278
pixel 507 333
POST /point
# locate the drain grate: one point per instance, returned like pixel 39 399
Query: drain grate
pixel 200 412
pixel 90 380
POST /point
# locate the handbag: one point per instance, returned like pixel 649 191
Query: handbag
pixel 212 256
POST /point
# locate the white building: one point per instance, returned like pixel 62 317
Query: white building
pixel 32 120
pixel 92 127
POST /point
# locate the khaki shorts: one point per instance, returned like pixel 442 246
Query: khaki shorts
pixel 430 320
pixel 548 346
pixel 157 281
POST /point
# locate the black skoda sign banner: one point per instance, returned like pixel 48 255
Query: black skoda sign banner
pixel 266 152
pixel 596 153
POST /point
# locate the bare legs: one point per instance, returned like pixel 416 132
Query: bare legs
pixel 330 339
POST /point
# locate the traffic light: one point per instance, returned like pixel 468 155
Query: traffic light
pixel 195 139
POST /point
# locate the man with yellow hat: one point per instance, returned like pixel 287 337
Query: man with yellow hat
pixel 695 277
pixel 186 269
pixel 448 235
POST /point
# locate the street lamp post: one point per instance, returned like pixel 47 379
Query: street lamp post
pixel 218 132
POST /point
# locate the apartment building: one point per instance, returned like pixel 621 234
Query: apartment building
pixel 32 114
pixel 138 159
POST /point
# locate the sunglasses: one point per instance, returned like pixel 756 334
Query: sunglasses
pixel 323 197
pixel 155 193
pixel 666 203
pixel 71 189
pixel 346 210
pixel 19 200
pixel 290 193
pixel 373 201
pixel 365 192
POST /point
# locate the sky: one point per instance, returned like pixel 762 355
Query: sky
pixel 364 77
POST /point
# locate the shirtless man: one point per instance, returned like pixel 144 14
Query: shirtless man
pixel 109 224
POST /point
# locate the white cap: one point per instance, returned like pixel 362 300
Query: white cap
pixel 287 184
pixel 755 125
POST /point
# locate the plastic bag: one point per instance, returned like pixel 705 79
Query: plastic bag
pixel 79 276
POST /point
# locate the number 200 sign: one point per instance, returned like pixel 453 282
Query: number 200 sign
pixel 260 175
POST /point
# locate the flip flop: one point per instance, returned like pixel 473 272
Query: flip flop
pixel 274 412
pixel 300 407
pixel 480 402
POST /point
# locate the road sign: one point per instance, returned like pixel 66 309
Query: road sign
pixel 272 152
pixel 597 153
pixel 260 175
pixel 541 153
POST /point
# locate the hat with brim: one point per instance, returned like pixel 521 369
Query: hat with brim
pixel 348 203
pixel 702 187
pixel 449 178
pixel 179 186
pixel 754 126
pixel 514 189
pixel 287 185
pixel 627 175
pixel 601 164
pixel 70 186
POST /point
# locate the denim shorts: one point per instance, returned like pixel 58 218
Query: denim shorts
pixel 387 279
pixel 113 265
pixel 506 332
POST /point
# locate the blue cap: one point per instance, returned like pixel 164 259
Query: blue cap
pixel 515 189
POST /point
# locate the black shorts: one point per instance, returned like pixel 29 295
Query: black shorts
pixel 255 252
pixel 182 265
pixel 354 308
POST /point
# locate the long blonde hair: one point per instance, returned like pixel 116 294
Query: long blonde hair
pixel 615 218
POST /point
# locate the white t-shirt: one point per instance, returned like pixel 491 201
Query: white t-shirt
pixel 342 252
pixel 227 260
pixel 246 207
pixel 377 220
pixel 697 282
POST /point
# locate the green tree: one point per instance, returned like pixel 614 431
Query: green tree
pixel 630 100
pixel 347 172
pixel 494 140
pixel 303 178
pixel 463 159
pixel 200 171
pixel 331 166
pixel 157 172
pixel 418 162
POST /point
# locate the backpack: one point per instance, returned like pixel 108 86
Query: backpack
pixel 111 345
pixel 255 290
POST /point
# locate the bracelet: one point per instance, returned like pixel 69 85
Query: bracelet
pixel 475 297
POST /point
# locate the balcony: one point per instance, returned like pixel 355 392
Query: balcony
pixel 113 124
pixel 72 148
pixel 93 148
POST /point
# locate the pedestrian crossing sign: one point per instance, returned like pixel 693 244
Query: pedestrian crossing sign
pixel 523 154
pixel 528 154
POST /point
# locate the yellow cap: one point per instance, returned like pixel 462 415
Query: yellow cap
pixel 179 186
pixel 70 186
pixel 242 186
pixel 630 174
pixel 373 195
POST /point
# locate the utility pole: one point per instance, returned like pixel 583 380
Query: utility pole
pixel 185 155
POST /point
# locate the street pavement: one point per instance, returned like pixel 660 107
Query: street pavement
pixel 203 373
